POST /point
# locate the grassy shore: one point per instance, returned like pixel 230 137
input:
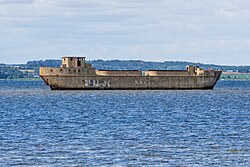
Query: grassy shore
pixel 241 77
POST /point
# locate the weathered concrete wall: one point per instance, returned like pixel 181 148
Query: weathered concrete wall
pixel 122 82
pixel 118 72
pixel 166 73
pixel 66 71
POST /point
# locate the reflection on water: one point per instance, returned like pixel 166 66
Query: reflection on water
pixel 124 128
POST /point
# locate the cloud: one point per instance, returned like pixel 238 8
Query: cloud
pixel 140 29
pixel 15 1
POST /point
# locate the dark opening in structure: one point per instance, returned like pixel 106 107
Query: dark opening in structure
pixel 78 62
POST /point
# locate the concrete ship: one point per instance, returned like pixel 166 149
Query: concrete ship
pixel 75 73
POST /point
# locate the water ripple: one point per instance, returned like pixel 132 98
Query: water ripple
pixel 40 127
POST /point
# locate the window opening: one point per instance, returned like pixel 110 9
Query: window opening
pixel 78 62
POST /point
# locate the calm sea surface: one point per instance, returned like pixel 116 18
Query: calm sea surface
pixel 40 127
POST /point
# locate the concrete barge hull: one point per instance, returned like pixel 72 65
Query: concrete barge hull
pixel 130 82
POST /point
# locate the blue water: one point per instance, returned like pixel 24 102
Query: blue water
pixel 40 127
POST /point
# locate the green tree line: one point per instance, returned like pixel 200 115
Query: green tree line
pixel 11 71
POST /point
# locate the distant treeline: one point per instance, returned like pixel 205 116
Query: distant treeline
pixel 16 71
pixel 167 65
pixel 10 72
pixel 140 65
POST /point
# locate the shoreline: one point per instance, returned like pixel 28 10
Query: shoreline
pixel 40 79
pixel 235 77
pixel 22 79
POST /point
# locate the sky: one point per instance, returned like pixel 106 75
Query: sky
pixel 207 31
